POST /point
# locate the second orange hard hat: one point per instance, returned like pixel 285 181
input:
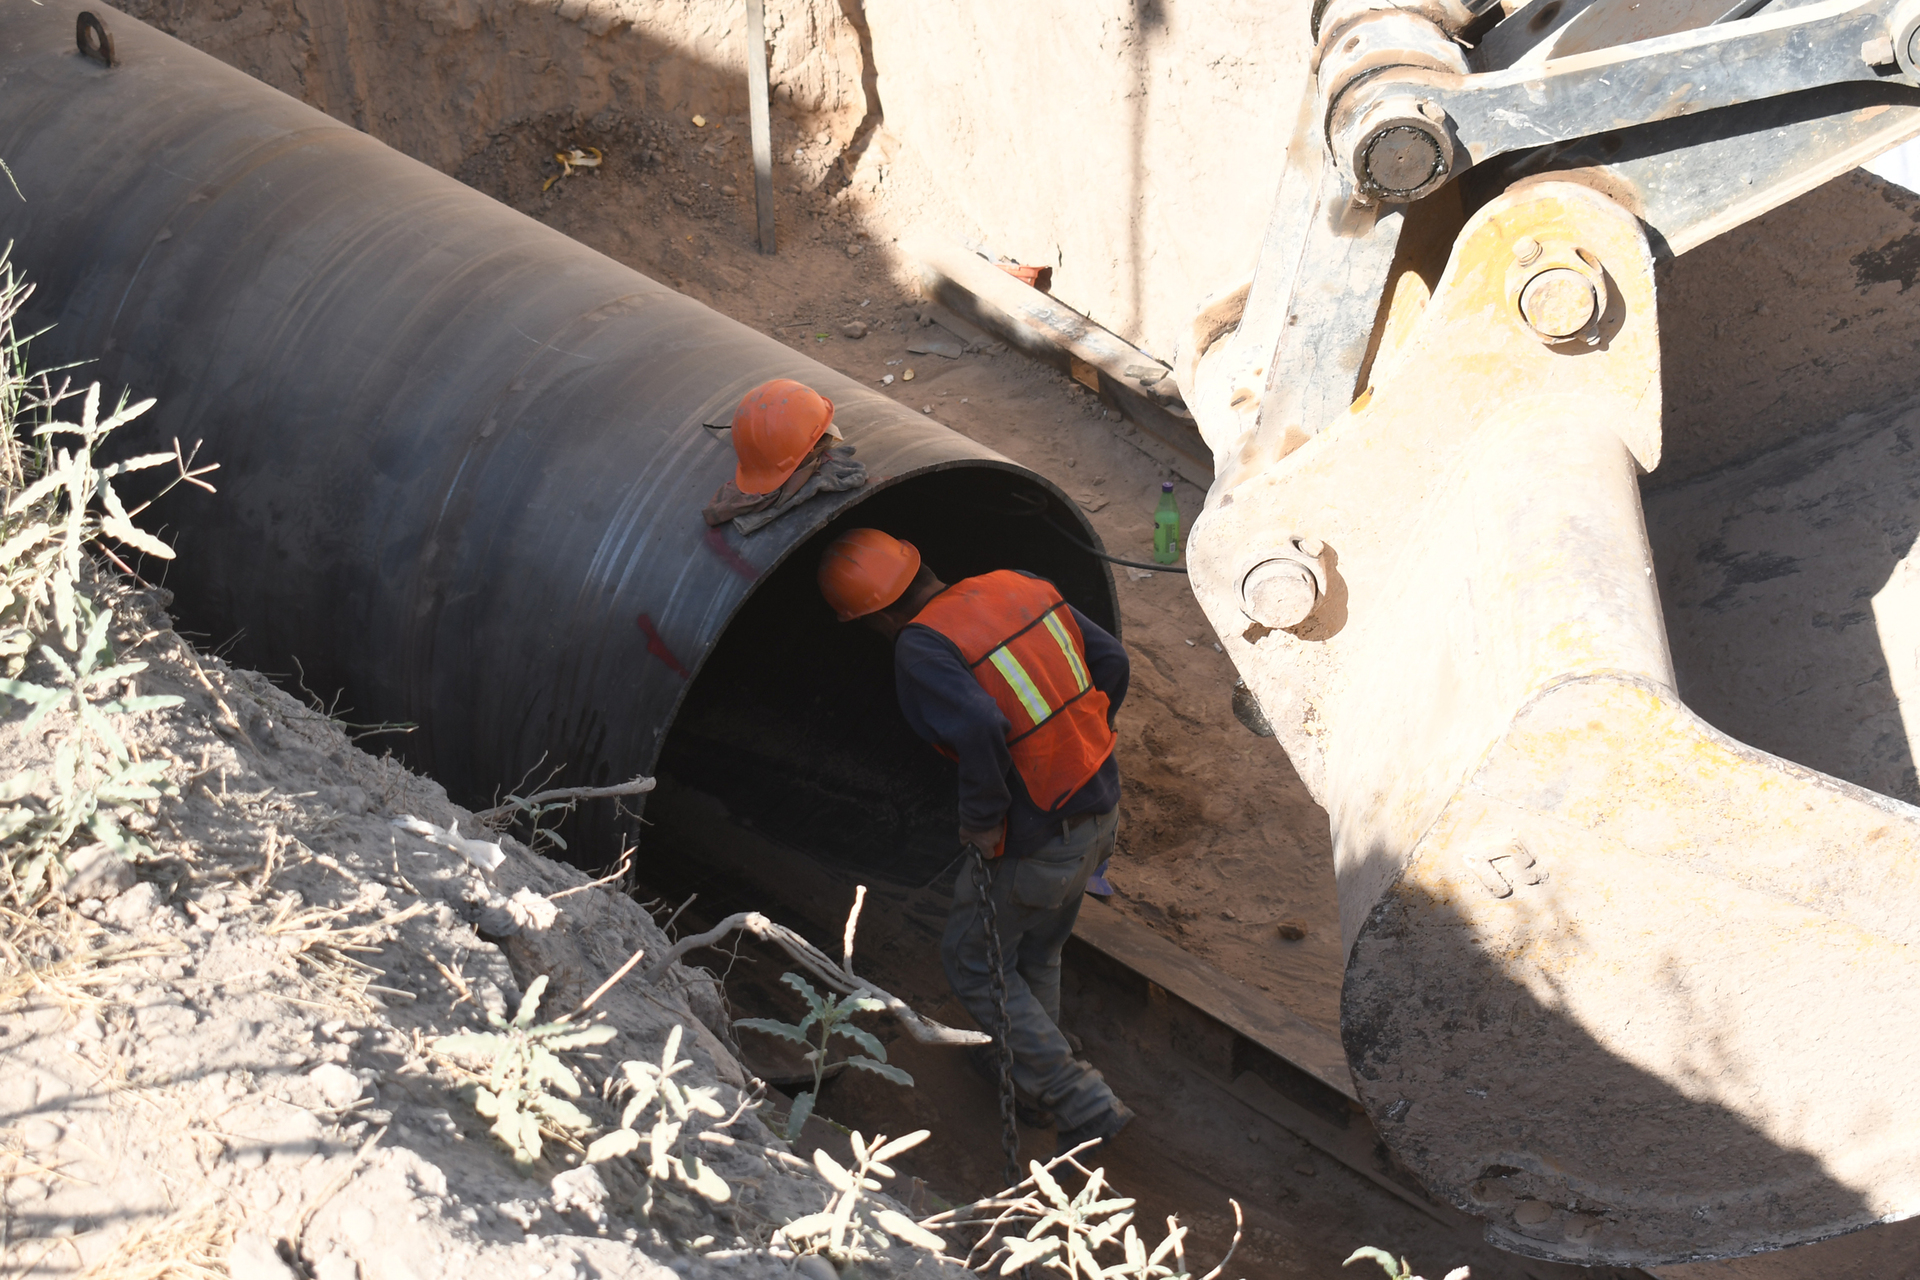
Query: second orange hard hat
pixel 775 427
pixel 864 570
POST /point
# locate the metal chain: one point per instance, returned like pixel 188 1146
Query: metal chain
pixel 1009 1129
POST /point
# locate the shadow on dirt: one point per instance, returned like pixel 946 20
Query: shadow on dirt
pixel 1793 620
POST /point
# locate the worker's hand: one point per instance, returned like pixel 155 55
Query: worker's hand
pixel 987 841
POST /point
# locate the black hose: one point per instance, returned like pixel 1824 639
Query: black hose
pixel 1036 505
pixel 1101 555
pixel 1091 550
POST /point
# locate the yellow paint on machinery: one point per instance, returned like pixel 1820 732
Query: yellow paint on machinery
pixel 1602 957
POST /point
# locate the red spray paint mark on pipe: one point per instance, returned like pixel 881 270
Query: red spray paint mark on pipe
pixel 658 648
pixel 717 543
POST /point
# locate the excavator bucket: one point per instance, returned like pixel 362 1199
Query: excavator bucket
pixel 1631 990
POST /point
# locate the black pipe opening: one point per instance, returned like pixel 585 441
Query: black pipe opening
pixel 791 729
pixel 463 461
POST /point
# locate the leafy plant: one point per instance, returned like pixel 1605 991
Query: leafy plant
pixel 80 683
pixel 52 520
pixel 649 1085
pixel 48 523
pixel 522 1065
pixel 1086 1222
pixel 533 809
pixel 828 1015
pixel 92 789
pixel 840 1230
pixel 93 795
pixel 1067 1232
pixel 1400 1270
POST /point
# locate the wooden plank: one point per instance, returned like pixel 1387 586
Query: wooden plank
pixel 1355 1146
pixel 1253 1014
pixel 1047 329
pixel 1275 1028
pixel 758 123
pixel 1044 321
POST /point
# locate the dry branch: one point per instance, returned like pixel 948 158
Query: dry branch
pixel 822 967
pixel 638 786
pixel 484 854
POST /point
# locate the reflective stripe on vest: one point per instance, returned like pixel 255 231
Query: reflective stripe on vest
pixel 1071 651
pixel 1019 640
pixel 1023 686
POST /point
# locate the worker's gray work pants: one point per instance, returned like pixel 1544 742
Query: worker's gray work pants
pixel 1036 900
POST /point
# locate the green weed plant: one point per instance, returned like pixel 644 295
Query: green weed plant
pixel 59 504
pixel 652 1086
pixel 828 1015
pixel 850 1228
pixel 525 1078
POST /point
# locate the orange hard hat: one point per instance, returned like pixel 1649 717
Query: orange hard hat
pixel 774 428
pixel 865 570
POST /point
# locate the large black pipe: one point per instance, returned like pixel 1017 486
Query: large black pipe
pixel 462 456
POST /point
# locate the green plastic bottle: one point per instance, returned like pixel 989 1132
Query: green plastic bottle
pixel 1166 526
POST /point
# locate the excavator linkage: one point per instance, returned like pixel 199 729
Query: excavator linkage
pixel 1633 991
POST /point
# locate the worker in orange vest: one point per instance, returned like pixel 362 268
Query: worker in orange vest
pixel 1020 689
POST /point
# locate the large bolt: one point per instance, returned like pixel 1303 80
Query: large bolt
pixel 1279 593
pixel 1903 31
pixel 1558 303
pixel 1401 159
pixel 1399 148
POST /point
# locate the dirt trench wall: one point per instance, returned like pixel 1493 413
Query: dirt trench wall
pixel 434 78
pixel 1132 145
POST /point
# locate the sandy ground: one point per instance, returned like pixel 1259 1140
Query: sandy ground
pixel 221 1060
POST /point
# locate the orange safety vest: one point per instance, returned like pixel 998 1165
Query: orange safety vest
pixel 1019 640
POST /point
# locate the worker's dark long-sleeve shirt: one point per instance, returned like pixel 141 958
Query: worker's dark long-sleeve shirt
pixel 947 706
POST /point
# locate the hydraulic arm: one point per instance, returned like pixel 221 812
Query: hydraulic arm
pixel 1631 990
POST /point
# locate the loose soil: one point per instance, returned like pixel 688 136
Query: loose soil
pixel 220 1060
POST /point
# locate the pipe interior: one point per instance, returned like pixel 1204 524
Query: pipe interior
pixel 791 727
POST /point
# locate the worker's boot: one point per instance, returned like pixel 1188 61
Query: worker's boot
pixel 1099 1130
pixel 985 1061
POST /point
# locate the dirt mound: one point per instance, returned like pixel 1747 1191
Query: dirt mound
pixel 435 78
pixel 223 1055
